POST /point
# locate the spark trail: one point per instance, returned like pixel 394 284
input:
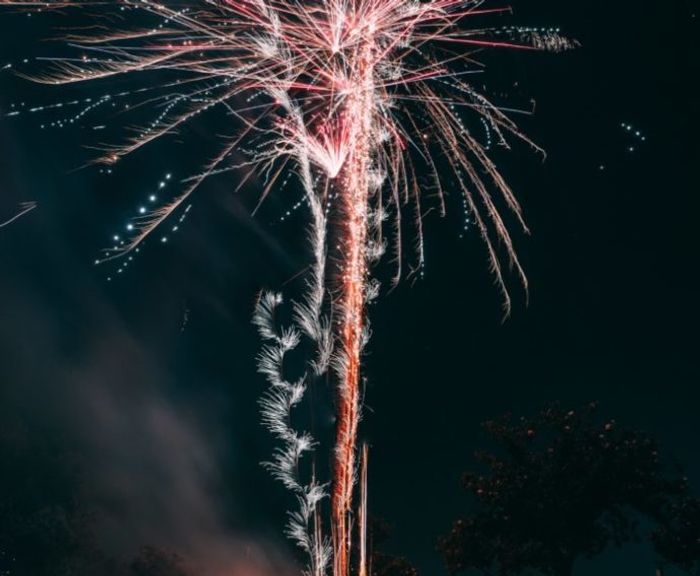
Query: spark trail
pixel 24 207
pixel 357 97
pixel 355 198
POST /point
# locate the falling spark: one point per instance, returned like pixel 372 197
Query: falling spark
pixel 358 97
pixel 24 207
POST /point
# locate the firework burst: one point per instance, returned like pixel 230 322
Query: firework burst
pixel 358 98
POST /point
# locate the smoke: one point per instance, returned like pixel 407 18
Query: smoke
pixel 151 462
pixel 156 472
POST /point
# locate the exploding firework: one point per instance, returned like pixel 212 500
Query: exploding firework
pixel 359 98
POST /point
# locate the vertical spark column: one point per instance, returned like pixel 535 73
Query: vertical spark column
pixel 358 113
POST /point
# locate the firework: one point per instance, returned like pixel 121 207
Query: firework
pixel 357 97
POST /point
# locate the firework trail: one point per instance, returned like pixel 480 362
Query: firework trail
pixel 358 98
pixel 24 207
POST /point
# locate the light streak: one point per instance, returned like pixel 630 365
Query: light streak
pixel 363 563
pixel 24 207
pixel 359 98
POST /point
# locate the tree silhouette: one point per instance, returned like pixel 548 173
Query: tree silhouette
pixel 43 527
pixel 156 562
pixel 383 564
pixel 677 538
pixel 561 486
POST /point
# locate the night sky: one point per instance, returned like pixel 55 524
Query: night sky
pixel 150 379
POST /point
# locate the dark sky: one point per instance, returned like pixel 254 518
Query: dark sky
pixel 151 377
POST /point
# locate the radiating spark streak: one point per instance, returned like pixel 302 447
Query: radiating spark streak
pixel 351 300
pixel 358 98
pixel 486 43
pixel 24 207
pixel 363 569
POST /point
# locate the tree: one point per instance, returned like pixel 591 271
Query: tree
pixel 156 562
pixel 677 538
pixel 561 486
pixel 43 527
pixel 383 564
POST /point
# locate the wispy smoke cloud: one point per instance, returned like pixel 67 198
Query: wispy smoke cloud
pixel 151 464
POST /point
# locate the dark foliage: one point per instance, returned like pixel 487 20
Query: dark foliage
pixel 383 564
pixel 43 528
pixel 677 539
pixel 563 485
pixel 156 562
